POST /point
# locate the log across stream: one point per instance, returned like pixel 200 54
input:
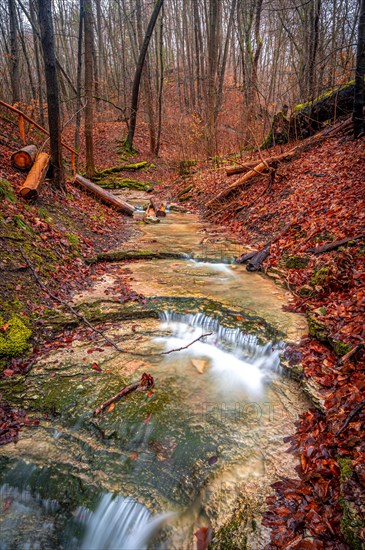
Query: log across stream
pixel 199 451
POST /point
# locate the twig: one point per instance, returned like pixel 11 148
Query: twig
pixel 146 383
pixel 188 346
pixel 351 416
pixel 348 355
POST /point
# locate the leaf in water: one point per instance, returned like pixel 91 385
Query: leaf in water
pixel 96 367
pixel 212 460
pixel 134 456
pixel 203 538
pixel 110 408
pixel 147 419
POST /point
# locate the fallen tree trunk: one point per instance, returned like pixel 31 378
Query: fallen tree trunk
pixel 307 119
pixel 241 168
pixel 104 196
pixel 334 245
pixel 24 158
pixel 159 208
pixel 146 383
pixel 29 190
pixel 256 171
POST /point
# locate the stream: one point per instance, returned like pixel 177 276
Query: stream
pixel 199 452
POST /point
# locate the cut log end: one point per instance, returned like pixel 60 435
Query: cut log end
pixel 24 158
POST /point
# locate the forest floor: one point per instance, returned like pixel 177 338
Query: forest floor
pixel 322 194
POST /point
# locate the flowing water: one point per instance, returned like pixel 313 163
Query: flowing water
pixel 200 450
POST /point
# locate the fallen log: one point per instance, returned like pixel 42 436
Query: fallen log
pixel 241 168
pixel 259 169
pixel 159 208
pixel 254 264
pixel 24 158
pixel 334 245
pixel 104 196
pixel 245 257
pixel 29 189
pixel 146 383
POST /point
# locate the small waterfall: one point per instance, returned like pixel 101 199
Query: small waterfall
pixel 237 359
pixel 119 523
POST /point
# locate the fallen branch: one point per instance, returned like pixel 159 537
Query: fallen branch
pixel 188 345
pixel 104 195
pixel 350 354
pixel 35 177
pixel 351 416
pixel 334 245
pixel 146 383
pixel 245 257
pixel 254 264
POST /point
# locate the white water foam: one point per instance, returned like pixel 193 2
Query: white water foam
pixel 119 523
pixel 237 360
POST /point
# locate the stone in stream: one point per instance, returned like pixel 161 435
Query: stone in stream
pixel 201 365
pixel 152 219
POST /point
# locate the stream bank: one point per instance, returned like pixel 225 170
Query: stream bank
pixel 204 446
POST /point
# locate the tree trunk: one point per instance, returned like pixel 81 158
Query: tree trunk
pixel 29 189
pixel 79 76
pixel 14 54
pixel 53 102
pixel 138 73
pixel 105 196
pixel 89 91
pixel 358 112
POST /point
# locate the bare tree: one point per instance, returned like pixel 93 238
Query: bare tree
pixel 138 73
pixel 358 113
pixel 53 102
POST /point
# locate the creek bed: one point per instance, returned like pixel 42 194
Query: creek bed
pixel 200 450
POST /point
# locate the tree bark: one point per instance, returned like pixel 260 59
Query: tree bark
pixel 358 112
pixel 138 73
pixel 89 89
pixel 53 102
pixel 79 76
pixel 14 54
pixel 104 196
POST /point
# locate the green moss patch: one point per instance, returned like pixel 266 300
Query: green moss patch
pixel 125 183
pixel 14 336
pixel 297 262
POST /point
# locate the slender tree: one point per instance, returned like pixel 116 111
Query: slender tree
pixel 53 102
pixel 138 73
pixel 14 54
pixel 89 88
pixel 358 113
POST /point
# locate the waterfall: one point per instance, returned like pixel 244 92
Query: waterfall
pixel 237 360
pixel 119 523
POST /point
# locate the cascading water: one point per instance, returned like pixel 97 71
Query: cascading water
pixel 119 524
pixel 237 360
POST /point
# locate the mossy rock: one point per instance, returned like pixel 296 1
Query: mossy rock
pixel 316 328
pixel 186 197
pixel 121 168
pixel 14 337
pixel 297 262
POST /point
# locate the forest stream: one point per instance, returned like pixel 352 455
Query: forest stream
pixel 198 453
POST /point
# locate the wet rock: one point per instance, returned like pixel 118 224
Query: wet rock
pixel 201 365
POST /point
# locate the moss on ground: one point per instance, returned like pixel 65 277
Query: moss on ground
pixel 319 277
pixel 297 262
pixel 125 183
pixel 14 336
pixel 185 166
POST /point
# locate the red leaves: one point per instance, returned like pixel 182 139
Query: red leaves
pixel 11 421
pixel 203 536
